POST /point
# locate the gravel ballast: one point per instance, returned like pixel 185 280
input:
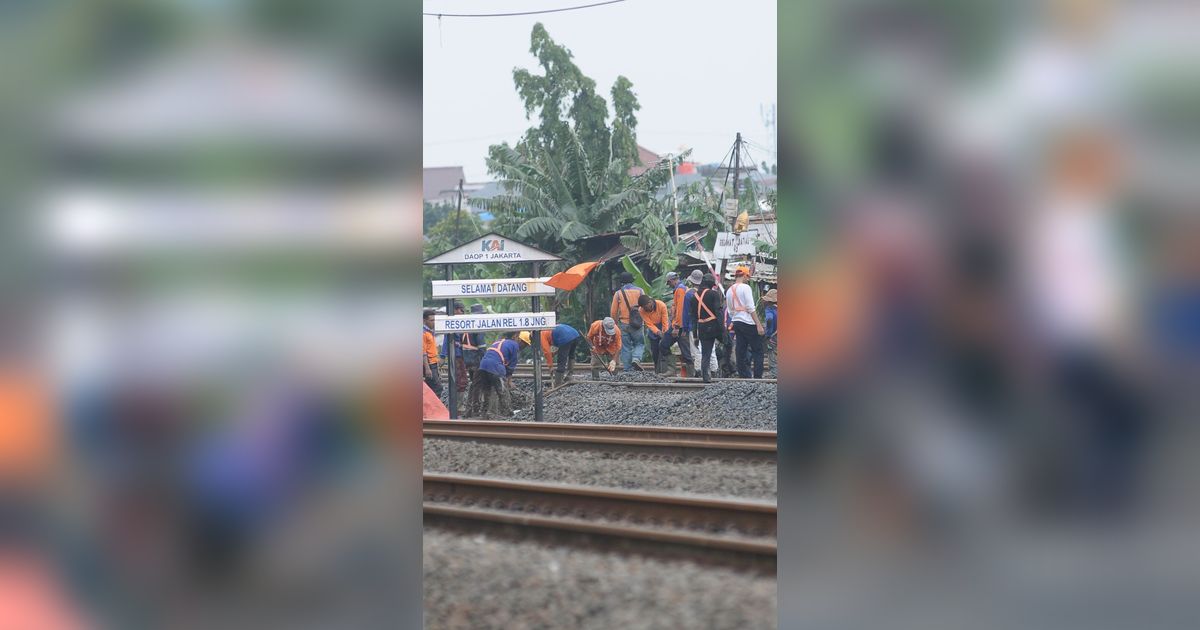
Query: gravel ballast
pixel 630 377
pixel 756 480
pixel 475 581
pixel 732 404
pixel 723 404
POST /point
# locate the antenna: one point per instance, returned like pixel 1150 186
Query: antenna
pixel 770 121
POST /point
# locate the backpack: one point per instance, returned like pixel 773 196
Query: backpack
pixel 635 314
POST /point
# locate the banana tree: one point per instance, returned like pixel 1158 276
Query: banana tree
pixel 552 201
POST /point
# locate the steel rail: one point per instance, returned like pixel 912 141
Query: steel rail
pixel 681 441
pixel 723 438
pixel 729 525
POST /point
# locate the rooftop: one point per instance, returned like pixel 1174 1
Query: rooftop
pixel 440 183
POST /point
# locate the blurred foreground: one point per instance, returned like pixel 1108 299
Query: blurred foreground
pixel 993 323
pixel 202 383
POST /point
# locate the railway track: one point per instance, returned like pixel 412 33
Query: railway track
pixel 684 442
pixel 671 385
pixel 526 370
pixel 736 530
pixel 697 381
pixel 585 370
pixel 680 379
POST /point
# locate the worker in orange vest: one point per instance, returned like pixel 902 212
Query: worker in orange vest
pixel 605 340
pixel 657 321
pixel 430 351
pixel 624 311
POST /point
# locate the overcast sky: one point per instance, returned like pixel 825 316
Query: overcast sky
pixel 700 69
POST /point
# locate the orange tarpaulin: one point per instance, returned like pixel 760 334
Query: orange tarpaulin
pixel 31 598
pixel 569 280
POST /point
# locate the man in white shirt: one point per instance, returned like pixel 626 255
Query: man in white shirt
pixel 747 329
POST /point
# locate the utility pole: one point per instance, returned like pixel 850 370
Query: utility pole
pixel 674 199
pixel 737 167
pixel 770 122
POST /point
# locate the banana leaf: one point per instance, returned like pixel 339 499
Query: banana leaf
pixel 656 289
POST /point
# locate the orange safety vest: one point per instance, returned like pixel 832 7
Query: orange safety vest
pixel 495 348
pixel 711 316
pixel 466 342
pixel 737 302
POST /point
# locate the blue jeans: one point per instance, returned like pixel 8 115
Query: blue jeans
pixel 633 344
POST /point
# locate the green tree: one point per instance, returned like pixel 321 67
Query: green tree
pixel 433 213
pixel 567 178
pixel 447 233
pixel 452 230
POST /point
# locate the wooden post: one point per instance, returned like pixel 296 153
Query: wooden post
pixel 591 312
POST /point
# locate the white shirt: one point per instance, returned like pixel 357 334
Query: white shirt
pixel 1075 272
pixel 745 300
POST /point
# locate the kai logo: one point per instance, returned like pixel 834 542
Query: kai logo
pixel 492 245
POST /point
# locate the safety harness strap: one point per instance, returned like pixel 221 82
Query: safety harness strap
pixel 711 316
pixel 737 302
pixel 495 348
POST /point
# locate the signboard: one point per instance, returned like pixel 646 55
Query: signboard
pixel 730 245
pixel 491 287
pixel 484 322
pixel 492 248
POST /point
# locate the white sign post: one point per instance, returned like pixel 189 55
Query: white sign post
pixel 486 322
pixel 491 287
pixel 493 248
pixel 731 245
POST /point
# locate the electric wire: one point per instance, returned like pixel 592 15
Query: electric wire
pixel 517 13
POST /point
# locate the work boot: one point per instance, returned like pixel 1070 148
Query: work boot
pixel 707 376
pixel 688 372
pixel 558 379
